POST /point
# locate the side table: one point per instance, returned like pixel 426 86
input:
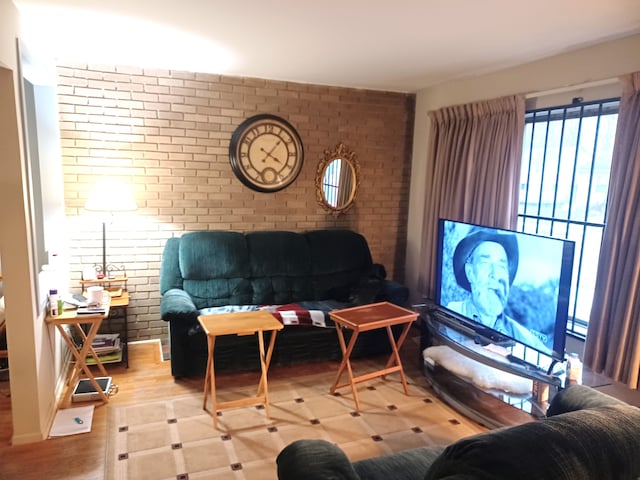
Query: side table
pixel 370 317
pixel 72 319
pixel 119 307
pixel 239 323
pixel 119 298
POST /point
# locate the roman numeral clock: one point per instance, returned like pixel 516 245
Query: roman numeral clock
pixel 266 153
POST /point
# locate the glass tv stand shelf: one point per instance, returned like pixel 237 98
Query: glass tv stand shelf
pixel 491 407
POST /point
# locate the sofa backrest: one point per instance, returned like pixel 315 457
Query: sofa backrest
pixel 215 268
pixel 269 267
pixel 339 259
pixel 590 444
pixel 280 267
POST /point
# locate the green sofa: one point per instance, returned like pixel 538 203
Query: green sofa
pixel 206 272
pixel 586 435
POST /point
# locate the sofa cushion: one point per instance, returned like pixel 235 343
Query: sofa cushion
pixel 219 291
pixel 593 444
pixel 280 265
pixel 215 268
pixel 213 254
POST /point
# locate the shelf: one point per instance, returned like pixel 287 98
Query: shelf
pixel 114 292
pixel 521 369
pixel 483 407
pixel 118 302
pixel 114 357
pixel 490 407
pixel 101 281
pixel 111 349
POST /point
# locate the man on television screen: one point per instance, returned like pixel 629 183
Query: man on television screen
pixel 485 263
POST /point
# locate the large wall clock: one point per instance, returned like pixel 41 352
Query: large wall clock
pixel 266 153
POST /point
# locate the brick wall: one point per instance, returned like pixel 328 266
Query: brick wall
pixel 167 134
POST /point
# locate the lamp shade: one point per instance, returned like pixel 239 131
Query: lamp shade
pixel 110 196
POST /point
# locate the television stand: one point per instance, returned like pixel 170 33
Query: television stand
pixel 489 405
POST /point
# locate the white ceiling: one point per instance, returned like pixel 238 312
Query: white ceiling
pixel 400 45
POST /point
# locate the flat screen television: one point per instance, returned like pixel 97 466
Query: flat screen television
pixel 511 284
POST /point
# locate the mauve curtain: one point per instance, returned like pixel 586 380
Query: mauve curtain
pixel 474 171
pixel 613 338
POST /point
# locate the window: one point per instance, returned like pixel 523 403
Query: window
pixel 564 183
pixel 331 182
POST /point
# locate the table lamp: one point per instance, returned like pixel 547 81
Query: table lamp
pixel 109 197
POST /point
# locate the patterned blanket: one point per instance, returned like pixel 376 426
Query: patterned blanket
pixel 314 314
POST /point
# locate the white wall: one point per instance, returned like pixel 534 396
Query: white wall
pixel 32 373
pixel 605 61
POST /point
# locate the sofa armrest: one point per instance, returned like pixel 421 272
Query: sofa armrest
pixel 579 397
pixel 314 460
pixel 394 292
pixel 176 304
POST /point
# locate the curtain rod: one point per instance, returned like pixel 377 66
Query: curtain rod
pixel 597 83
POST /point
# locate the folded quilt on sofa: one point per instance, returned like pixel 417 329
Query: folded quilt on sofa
pixel 315 314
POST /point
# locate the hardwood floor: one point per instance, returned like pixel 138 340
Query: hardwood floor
pixel 81 456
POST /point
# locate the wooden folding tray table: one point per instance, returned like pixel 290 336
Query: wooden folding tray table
pixel 239 323
pixel 370 317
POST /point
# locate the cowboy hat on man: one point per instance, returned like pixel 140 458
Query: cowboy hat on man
pixel 467 245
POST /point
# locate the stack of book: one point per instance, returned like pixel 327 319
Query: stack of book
pixel 107 347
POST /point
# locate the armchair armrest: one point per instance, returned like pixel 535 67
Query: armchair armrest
pixel 176 304
pixel 579 397
pixel 394 292
pixel 314 460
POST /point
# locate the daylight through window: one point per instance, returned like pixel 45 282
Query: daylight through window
pixel 331 182
pixel 564 183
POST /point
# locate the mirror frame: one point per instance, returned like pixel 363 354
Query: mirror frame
pixel 340 152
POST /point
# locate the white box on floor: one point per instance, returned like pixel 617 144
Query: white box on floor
pixel 86 392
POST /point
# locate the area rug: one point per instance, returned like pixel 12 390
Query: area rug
pixel 174 439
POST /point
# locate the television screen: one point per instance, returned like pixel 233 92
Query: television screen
pixel 514 284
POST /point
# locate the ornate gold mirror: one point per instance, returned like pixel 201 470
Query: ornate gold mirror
pixel 337 179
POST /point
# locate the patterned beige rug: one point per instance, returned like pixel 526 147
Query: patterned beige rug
pixel 175 438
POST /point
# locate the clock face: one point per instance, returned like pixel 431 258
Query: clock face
pixel 266 153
